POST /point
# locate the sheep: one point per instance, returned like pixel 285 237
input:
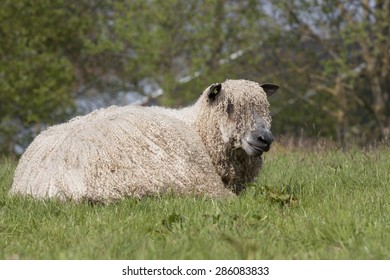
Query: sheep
pixel 212 148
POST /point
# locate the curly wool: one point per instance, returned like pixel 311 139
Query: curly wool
pixel 141 151
pixel 222 138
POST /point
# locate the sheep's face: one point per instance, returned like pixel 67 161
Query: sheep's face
pixel 241 108
pixel 258 140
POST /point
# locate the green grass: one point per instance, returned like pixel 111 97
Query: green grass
pixel 305 205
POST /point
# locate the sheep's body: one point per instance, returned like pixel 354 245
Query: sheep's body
pixel 116 152
pixel 137 151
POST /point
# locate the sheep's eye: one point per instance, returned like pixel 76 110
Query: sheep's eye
pixel 230 108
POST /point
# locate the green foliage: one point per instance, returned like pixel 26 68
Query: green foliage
pixel 329 57
pixel 169 40
pixel 39 51
pixel 342 51
pixel 34 79
pixel 306 204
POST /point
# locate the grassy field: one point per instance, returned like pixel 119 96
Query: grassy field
pixel 306 204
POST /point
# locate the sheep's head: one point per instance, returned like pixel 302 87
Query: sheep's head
pixel 236 114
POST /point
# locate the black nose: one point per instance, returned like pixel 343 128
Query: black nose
pixel 265 139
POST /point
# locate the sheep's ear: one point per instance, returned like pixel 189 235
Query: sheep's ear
pixel 214 90
pixel 269 88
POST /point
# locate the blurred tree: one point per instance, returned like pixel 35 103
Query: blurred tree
pixel 175 41
pixel 42 50
pixel 341 49
pixel 330 57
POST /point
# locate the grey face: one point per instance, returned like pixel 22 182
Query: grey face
pixel 258 140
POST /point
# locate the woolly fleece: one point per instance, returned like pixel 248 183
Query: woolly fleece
pixel 141 151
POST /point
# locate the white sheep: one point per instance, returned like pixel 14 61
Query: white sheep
pixel 212 148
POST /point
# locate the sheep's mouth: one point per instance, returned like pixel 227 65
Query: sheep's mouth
pixel 254 148
pixel 258 151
